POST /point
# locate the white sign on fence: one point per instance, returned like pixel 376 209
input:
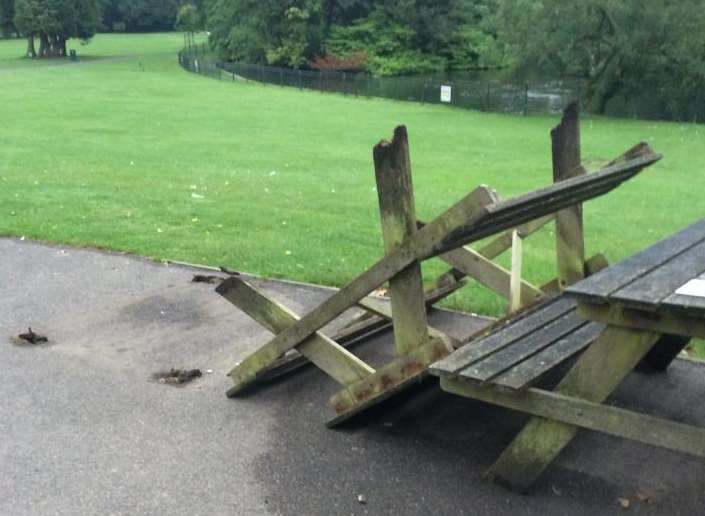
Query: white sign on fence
pixel 445 93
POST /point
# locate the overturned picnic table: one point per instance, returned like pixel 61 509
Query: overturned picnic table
pixel 407 243
pixel 640 312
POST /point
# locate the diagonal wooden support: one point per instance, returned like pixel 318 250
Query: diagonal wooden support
pixel 493 276
pixel 398 217
pixel 326 354
pixel 420 245
pixel 578 412
pixel 596 374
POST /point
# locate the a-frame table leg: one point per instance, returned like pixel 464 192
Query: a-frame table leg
pixel 595 375
pixel 398 218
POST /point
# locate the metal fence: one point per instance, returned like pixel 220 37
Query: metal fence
pixel 526 98
pixel 484 95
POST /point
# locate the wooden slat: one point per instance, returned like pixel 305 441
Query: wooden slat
pixel 577 412
pixel 530 370
pixel 507 357
pixel 647 291
pixel 532 205
pixel 515 281
pixel 328 355
pixel 598 287
pixel 502 337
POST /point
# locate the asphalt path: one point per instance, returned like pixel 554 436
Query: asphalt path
pixel 85 429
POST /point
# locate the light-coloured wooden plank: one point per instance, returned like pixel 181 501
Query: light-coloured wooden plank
pixel 398 218
pixel 326 354
pixel 515 282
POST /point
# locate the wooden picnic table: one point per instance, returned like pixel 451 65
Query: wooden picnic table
pixel 639 312
pixel 659 289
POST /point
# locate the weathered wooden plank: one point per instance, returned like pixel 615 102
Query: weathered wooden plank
pixel 422 243
pixel 532 205
pixel 570 245
pixel 493 276
pixel 515 329
pixel 527 372
pixel 598 287
pixel 328 355
pixel 506 357
pixel 388 380
pixel 398 218
pixel 675 323
pixel 598 371
pixel 586 414
pixel 515 281
pixel 647 291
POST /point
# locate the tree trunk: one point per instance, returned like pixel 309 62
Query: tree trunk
pixel 43 44
pixel 63 46
pixel 30 46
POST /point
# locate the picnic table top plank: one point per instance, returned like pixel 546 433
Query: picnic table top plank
pixel 524 325
pixel 648 291
pixel 518 210
pixel 598 287
pixel 528 371
pixel 508 357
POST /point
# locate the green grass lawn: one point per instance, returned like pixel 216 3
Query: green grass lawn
pixel 136 154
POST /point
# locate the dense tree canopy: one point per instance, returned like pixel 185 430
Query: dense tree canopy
pixel 7 18
pixel 396 36
pixel 618 47
pixel 139 15
pixel 54 22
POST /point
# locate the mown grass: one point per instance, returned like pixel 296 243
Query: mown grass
pixel 136 154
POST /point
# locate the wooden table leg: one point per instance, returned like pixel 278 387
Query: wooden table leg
pixel 595 375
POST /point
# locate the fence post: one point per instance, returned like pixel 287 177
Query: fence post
pixel 300 80
pixel 526 99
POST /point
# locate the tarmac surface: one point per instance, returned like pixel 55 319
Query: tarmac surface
pixel 86 430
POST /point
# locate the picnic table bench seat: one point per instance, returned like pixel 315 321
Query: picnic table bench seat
pixel 520 350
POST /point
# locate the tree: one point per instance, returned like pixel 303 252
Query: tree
pixel 7 16
pixel 397 36
pixel 54 22
pixel 141 15
pixel 616 46
pixel 188 20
